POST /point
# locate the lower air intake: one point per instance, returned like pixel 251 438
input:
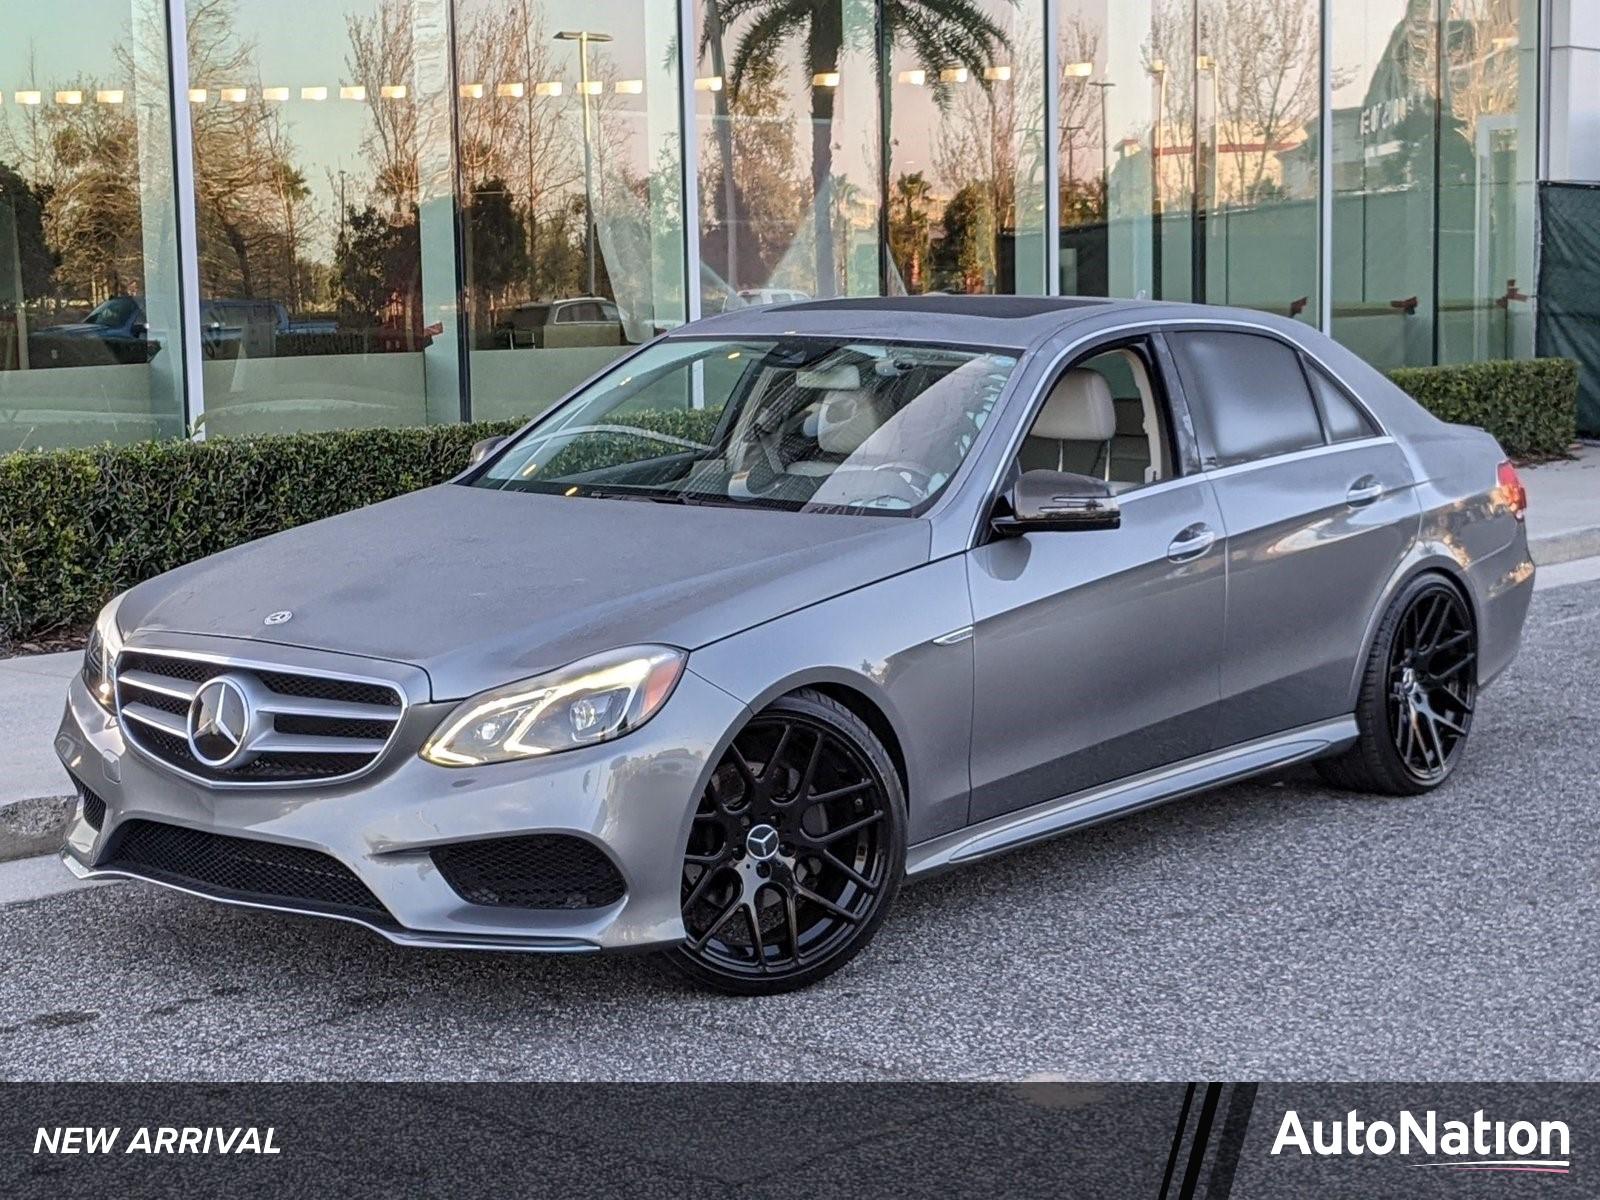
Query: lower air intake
pixel 537 871
pixel 239 868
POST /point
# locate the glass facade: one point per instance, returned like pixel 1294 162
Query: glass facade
pixel 231 218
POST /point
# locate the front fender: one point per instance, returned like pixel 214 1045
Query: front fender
pixel 878 641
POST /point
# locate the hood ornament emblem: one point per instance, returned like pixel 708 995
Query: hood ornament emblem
pixel 281 617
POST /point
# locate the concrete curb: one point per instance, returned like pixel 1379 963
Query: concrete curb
pixel 1565 547
pixel 30 827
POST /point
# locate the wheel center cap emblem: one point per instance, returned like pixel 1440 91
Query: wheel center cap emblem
pixel 219 720
pixel 762 842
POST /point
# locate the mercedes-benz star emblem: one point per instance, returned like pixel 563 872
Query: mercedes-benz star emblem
pixel 219 719
pixel 278 618
pixel 762 842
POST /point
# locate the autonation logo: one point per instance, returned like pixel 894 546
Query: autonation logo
pixel 1480 1144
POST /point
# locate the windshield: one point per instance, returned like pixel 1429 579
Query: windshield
pixel 114 313
pixel 804 424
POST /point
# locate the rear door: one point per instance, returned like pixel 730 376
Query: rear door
pixel 1318 508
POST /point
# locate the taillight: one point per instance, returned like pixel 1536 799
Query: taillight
pixel 1510 492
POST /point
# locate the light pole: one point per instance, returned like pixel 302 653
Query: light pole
pixel 1105 139
pixel 583 37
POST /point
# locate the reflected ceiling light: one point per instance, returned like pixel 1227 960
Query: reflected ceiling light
pixel 233 95
pixel 275 93
pixel 997 74
pixel 591 87
pixel 1158 66
pixel 825 79
pixel 28 97
pixel 196 95
pixel 393 91
pixel 514 91
pixel 915 78
pixel 471 91
pixel 1204 62
pixel 708 83
pixel 630 87
pixel 1504 42
pixel 69 97
pixel 353 92
pixel 313 93
pixel 953 75
pixel 1078 70
pixel 553 87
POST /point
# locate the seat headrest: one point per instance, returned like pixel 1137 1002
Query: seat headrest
pixel 846 419
pixel 1079 409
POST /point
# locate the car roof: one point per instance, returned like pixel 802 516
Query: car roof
pixel 1010 321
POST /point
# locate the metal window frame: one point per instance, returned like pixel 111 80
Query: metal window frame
pixel 689 159
pixel 187 242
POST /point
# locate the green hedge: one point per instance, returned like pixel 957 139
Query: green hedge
pixel 1530 405
pixel 78 526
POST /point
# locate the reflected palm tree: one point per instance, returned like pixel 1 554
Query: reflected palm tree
pixel 942 33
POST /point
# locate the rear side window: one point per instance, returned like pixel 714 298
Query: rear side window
pixel 1252 392
pixel 1345 421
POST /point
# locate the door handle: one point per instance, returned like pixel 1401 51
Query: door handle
pixel 1363 491
pixel 1191 543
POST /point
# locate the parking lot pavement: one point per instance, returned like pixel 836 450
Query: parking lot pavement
pixel 1269 930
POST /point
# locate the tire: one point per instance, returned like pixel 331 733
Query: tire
pixel 796 854
pixel 1418 688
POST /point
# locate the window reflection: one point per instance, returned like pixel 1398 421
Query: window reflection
pixel 308 144
pixel 89 338
pixel 786 114
pixel 567 118
pixel 1385 75
pixel 966 147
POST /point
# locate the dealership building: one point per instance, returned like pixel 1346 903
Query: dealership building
pixel 234 217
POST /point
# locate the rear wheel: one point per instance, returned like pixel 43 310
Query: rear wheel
pixel 1417 695
pixel 796 852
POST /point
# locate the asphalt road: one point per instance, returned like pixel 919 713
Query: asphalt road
pixel 1271 930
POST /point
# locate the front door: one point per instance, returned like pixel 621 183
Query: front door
pixel 1096 652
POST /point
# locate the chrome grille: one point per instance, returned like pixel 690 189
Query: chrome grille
pixel 303 727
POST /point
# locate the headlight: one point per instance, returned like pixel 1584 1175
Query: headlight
pixel 100 655
pixel 592 700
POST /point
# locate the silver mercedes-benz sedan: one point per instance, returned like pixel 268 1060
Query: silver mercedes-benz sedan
pixel 799 602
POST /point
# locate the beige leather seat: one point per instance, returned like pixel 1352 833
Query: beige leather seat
pixel 1074 430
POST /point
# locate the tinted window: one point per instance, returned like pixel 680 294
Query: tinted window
pixel 1252 393
pixel 1346 422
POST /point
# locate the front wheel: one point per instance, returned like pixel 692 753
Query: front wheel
pixel 1417 694
pixel 796 853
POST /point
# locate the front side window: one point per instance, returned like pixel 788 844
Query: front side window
pixel 1251 391
pixel 803 424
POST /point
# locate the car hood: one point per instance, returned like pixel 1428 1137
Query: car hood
pixel 479 587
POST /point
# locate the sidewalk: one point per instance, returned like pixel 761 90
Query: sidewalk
pixel 1564 507
pixel 1563 526
pixel 33 787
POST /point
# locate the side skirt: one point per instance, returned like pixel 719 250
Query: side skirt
pixel 1109 800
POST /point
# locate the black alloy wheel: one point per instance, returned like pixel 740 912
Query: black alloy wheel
pixel 796 850
pixel 1417 695
pixel 1431 683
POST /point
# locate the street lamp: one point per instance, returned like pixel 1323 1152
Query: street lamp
pixel 583 37
pixel 1105 148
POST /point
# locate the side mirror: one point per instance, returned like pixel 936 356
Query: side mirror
pixel 482 450
pixel 1056 502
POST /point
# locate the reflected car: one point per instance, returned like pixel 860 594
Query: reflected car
pixel 794 605
pixel 760 297
pixel 113 332
pixel 579 321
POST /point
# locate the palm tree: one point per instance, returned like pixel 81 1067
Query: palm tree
pixel 942 33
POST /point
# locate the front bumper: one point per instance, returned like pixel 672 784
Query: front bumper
pixel 634 798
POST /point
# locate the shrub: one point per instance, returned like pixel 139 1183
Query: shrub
pixel 1530 405
pixel 79 526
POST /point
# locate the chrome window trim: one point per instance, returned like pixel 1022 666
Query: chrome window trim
pixel 255 664
pixel 1148 325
